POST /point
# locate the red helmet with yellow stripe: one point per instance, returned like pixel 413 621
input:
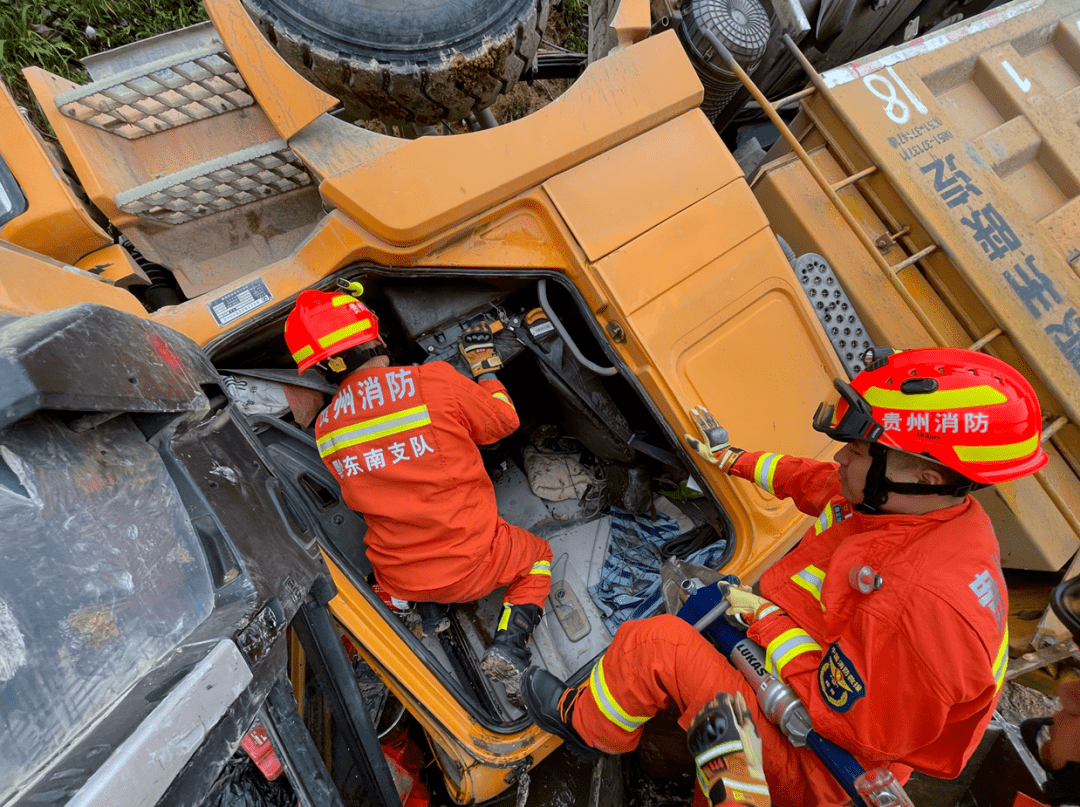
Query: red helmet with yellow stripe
pixel 963 409
pixel 322 325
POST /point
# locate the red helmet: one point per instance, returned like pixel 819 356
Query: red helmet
pixel 322 325
pixel 966 410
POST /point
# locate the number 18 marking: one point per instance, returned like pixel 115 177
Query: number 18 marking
pixel 894 108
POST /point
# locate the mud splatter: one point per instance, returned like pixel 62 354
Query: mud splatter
pixel 94 627
pixel 180 555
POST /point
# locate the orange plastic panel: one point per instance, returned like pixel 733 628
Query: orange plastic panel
pixel 712 303
pixel 55 222
pixel 430 183
pixel 33 284
pixel 610 199
pixel 287 98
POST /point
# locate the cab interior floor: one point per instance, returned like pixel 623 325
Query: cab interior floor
pixel 572 632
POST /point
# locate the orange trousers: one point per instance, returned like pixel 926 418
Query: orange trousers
pixel 662 661
pixel 516 559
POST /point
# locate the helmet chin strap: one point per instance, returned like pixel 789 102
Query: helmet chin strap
pixel 878 486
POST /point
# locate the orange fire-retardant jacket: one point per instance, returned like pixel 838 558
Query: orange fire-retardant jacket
pixel 910 672
pixel 402 442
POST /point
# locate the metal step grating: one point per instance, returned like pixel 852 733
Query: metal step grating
pixel 834 310
pixel 236 179
pixel 162 95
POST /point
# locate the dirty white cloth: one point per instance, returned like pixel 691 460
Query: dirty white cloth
pixel 555 477
pixel 256 396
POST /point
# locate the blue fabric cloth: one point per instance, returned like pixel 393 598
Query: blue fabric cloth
pixel 629 586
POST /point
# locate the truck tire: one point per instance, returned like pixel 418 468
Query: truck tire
pixel 406 61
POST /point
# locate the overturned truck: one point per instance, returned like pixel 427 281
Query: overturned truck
pixel 210 184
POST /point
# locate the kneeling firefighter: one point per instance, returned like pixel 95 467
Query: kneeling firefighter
pixel 888 619
pixel 402 443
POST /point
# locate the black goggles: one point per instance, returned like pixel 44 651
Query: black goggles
pixel 857 422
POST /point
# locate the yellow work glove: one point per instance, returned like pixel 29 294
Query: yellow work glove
pixel 746 606
pixel 727 752
pixel 477 345
pixel 714 446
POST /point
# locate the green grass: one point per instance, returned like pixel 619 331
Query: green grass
pixel 577 20
pixel 52 33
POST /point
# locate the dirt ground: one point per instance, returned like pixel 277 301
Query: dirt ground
pixel 1019 702
pixel 524 99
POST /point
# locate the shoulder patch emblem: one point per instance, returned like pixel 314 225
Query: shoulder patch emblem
pixel 840 682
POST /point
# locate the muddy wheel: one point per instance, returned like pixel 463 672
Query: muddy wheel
pixel 414 61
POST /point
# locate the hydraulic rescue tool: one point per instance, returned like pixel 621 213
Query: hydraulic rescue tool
pixel 703 609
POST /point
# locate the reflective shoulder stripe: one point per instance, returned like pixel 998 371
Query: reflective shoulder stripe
pixel 764 470
pixel 607 703
pixel 368 430
pixel 785 647
pixel 541 567
pixel 1001 663
pixel 825 520
pixel 812 579
pixel 502 396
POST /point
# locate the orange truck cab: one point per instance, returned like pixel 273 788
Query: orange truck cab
pixel 617 210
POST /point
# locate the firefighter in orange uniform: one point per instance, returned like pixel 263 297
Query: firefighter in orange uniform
pixel 888 620
pixel 402 443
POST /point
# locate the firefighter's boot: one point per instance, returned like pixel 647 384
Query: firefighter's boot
pixel 434 617
pixel 550 704
pixel 508 657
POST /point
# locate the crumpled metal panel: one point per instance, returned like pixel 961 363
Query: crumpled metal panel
pixel 101 576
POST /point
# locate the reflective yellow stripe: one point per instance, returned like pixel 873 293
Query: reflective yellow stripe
pixel 785 647
pixel 934 401
pixel 502 396
pixel 341 334
pixel 825 520
pixel 368 430
pixel 707 756
pixel 303 353
pixel 608 705
pixel 812 579
pixel 765 611
pixel 504 620
pixel 703 783
pixel 541 567
pixel 739 789
pixel 1010 451
pixel 342 299
pixel 765 469
pixel 1001 663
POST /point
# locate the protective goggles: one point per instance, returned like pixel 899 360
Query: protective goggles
pixel 846 416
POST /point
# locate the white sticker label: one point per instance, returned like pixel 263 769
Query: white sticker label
pixel 236 303
pixel 540 328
